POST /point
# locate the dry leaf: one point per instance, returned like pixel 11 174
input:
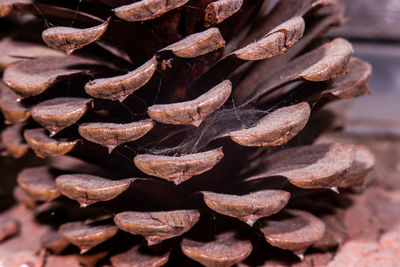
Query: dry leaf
pixel 39 183
pixel 44 146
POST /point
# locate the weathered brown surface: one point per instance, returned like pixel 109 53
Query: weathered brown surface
pixel 178 169
pixel 86 236
pixel 282 12
pixel 296 232
pixel 250 207
pixel 44 146
pixel 218 11
pixel 386 151
pixel 363 163
pixel 197 44
pixel 272 44
pixel 276 128
pixel 89 189
pixel 275 42
pixel 194 111
pixel 13 141
pixel 371 220
pixel 268 70
pixel 13 111
pixel 32 77
pixel 119 87
pixel 54 242
pixel 323 63
pixel 139 256
pixel 315 166
pixel 68 39
pixel 226 250
pixel 92 258
pixel 157 226
pixel 354 83
pixel 147 9
pixel 22 197
pixel 59 113
pixel 111 135
pixel 39 183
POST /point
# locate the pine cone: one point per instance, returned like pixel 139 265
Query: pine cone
pixel 188 127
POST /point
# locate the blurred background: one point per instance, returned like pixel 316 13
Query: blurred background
pixel 373 27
